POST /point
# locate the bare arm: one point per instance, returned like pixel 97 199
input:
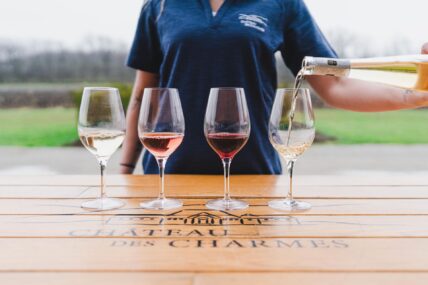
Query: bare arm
pixel 131 145
pixel 366 97
pixel 362 96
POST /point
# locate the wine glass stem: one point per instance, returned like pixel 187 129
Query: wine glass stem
pixel 103 165
pixel 226 166
pixel 161 163
pixel 290 166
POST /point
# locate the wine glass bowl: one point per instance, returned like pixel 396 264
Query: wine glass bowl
pixel 227 129
pixel 161 145
pixel 227 145
pixel 101 129
pixel 161 131
pixel 291 132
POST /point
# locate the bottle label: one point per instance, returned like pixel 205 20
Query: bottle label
pixel 326 66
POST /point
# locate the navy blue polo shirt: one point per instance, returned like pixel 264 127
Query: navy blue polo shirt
pixel 192 50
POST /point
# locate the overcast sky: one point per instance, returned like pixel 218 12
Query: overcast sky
pixel 68 22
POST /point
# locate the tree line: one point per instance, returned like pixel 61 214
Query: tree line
pixel 99 61
pixel 103 60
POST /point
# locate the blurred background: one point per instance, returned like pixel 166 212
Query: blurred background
pixel 50 49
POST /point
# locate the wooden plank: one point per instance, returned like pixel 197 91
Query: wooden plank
pixel 251 191
pixel 43 192
pixel 200 225
pixel 105 278
pixel 132 278
pixel 215 255
pixel 312 279
pixel 198 181
pixel 255 191
pixel 192 206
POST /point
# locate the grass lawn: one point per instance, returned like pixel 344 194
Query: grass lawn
pixel 399 127
pixel 37 127
pixel 57 127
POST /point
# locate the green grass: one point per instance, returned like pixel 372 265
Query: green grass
pixel 399 127
pixel 37 127
pixel 57 127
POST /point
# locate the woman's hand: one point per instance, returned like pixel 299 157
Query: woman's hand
pixel 425 48
pixel 424 95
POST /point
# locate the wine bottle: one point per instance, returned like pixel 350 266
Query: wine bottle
pixel 408 72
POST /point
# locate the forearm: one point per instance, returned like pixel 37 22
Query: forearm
pixel 131 149
pixel 363 96
pixel 131 146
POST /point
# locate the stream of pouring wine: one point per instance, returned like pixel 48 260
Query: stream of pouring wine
pixel 297 84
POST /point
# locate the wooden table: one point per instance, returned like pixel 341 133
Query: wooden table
pixel 361 230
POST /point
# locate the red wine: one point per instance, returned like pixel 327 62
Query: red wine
pixel 161 145
pixel 227 145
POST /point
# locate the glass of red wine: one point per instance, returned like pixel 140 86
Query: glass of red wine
pixel 227 129
pixel 161 131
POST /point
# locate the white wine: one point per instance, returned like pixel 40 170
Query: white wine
pixel 407 72
pixel 101 142
pixel 292 146
pixel 297 84
pixel 292 151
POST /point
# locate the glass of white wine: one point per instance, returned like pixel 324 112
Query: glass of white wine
pixel 102 130
pixel 291 132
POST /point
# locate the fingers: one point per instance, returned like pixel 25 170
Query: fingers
pixel 425 48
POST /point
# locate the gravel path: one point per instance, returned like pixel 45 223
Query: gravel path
pixel 320 159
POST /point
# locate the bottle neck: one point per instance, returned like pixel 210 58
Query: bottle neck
pixel 326 66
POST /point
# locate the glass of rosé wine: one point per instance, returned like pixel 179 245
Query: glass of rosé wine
pixel 227 129
pixel 161 131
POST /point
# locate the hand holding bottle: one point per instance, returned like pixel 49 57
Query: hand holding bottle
pixel 403 71
pixel 425 48
pixel 400 82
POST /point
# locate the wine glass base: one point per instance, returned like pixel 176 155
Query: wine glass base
pixel 226 205
pixel 289 205
pixel 161 204
pixel 103 204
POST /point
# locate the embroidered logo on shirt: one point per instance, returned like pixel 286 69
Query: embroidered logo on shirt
pixel 254 21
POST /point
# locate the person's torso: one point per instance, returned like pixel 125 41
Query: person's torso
pixel 235 48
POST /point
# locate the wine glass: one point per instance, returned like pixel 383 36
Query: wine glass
pixel 161 131
pixel 227 129
pixel 291 132
pixel 101 130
